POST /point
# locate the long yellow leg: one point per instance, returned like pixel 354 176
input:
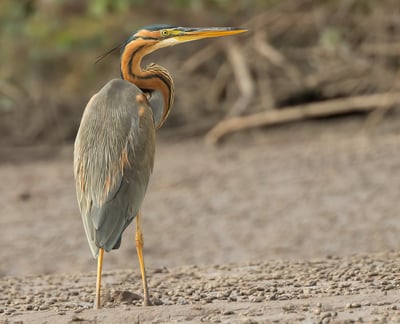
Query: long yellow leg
pixel 139 248
pixel 98 281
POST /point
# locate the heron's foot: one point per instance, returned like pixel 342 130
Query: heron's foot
pixel 147 302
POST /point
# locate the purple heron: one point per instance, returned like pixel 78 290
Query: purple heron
pixel 115 144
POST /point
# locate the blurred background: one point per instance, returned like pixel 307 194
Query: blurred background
pixel 282 142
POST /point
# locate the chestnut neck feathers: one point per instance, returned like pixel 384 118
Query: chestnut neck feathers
pixel 153 77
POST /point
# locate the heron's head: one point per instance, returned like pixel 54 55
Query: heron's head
pixel 154 77
pixel 158 36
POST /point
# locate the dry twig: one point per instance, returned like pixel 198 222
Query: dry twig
pixel 243 79
pixel 384 49
pixel 319 109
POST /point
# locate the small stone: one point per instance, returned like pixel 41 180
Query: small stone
pixel 289 308
pixel 181 301
pixel 256 299
pixel 157 301
pixel 210 298
pixel 52 300
pixel 355 305
pixel 284 297
pixel 125 296
pixel 344 284
pixel 325 315
pixel 196 297
pixel 229 312
pixel 248 321
pixel 317 311
pixel 75 318
pixel 167 301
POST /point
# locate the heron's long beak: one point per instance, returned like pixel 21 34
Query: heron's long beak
pixel 179 35
pixel 190 34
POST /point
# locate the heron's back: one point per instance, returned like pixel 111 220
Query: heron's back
pixel 113 160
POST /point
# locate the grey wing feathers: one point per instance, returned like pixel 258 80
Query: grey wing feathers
pixel 113 160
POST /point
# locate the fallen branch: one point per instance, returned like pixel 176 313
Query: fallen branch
pixel 292 113
pixel 243 79
pixel 384 49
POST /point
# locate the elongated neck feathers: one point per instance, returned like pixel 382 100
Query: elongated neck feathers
pixel 152 78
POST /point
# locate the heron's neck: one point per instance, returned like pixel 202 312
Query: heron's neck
pixel 152 78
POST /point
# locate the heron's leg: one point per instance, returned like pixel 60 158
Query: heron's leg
pixel 139 248
pixel 98 281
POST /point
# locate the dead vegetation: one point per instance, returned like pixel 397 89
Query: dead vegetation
pixel 304 61
pixel 299 60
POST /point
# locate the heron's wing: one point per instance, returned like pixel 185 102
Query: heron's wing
pixel 113 160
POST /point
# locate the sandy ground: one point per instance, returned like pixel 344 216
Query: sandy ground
pixel 294 223
pixel 326 290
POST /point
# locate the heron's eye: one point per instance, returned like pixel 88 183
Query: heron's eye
pixel 164 32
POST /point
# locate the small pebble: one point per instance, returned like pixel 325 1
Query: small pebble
pixel 355 305
pixel 317 311
pixel 182 301
pixel 248 321
pixel 52 300
pixel 229 312
pixel 289 308
pixel 256 299
pixel 325 315
pixel 157 301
